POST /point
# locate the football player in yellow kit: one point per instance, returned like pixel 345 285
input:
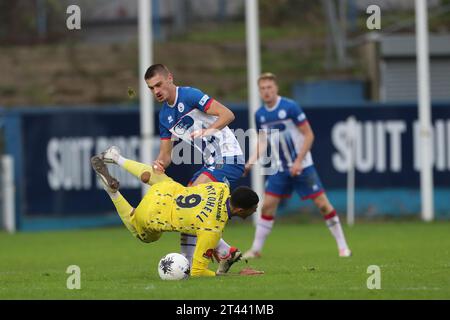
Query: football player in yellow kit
pixel 201 211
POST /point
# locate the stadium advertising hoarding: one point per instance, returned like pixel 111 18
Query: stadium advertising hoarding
pixel 54 179
pixel 387 146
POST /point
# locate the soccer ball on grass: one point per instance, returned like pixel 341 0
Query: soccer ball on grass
pixel 174 266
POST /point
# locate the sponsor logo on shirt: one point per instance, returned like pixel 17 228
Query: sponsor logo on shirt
pixel 170 119
pixel 301 117
pixel 184 124
pixel 203 100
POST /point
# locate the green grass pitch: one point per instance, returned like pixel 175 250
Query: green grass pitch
pixel 300 262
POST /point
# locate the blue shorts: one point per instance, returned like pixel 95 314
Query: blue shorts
pixel 229 172
pixel 307 184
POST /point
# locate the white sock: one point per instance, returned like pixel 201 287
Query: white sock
pixel 263 228
pixel 120 160
pixel 117 158
pixel 333 223
pixel 187 246
pixel 223 249
pixel 112 195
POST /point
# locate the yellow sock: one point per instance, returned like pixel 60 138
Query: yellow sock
pixel 137 169
pixel 124 210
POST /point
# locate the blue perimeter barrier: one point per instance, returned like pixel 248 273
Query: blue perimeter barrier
pixel 56 188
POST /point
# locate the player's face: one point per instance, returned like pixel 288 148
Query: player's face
pixel 268 91
pixel 160 86
pixel 245 213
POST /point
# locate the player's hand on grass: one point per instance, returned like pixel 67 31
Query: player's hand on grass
pixel 250 272
pixel 159 165
pixel 244 272
pixel 296 168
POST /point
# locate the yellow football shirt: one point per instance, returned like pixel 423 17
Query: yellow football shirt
pixel 201 211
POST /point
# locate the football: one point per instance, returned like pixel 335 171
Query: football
pixel 174 266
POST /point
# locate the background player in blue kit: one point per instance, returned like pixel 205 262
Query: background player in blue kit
pixel 294 168
pixel 189 114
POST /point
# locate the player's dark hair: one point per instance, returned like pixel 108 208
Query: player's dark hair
pixel 244 198
pixel 156 69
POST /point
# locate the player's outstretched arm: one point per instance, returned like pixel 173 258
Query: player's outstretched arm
pixel 203 254
pixel 165 155
pixel 244 272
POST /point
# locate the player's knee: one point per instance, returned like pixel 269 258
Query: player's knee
pixel 145 177
pixel 270 206
pixel 268 210
pixel 325 207
pixel 154 236
pixel 321 202
pixel 150 237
